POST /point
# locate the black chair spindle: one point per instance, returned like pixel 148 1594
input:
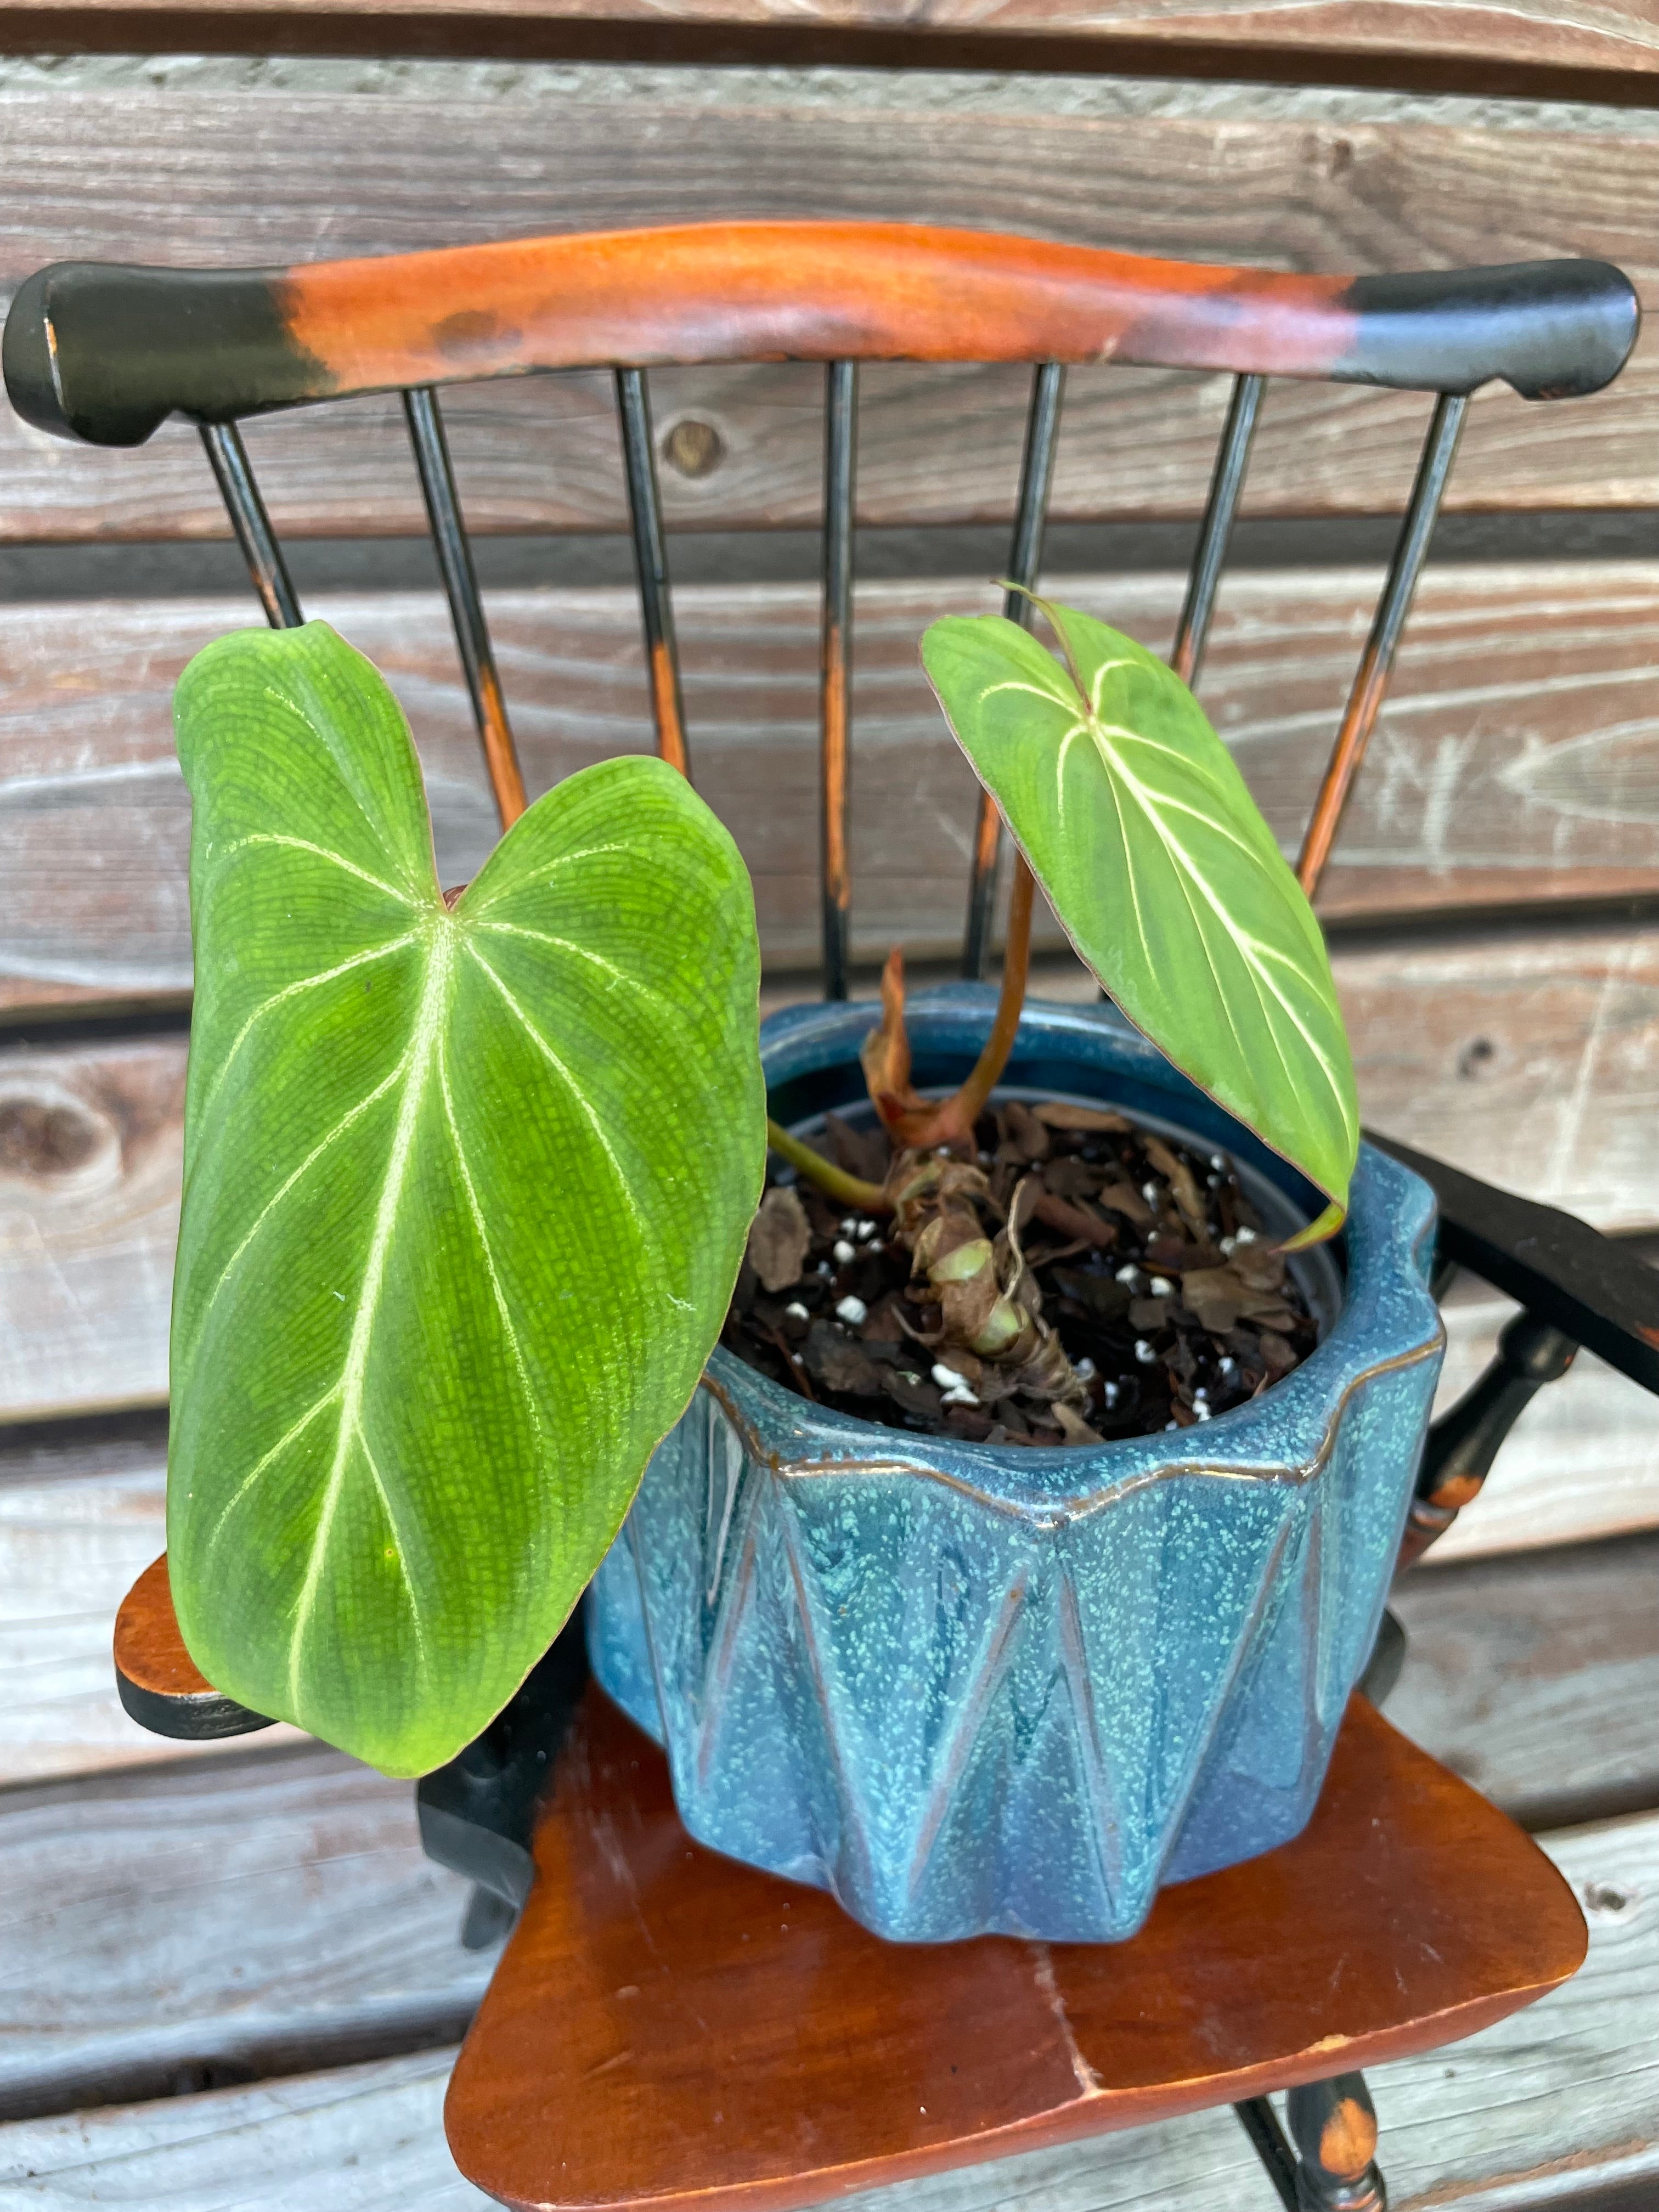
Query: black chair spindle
pixel 233 472
pixel 840 475
pixel 1272 2146
pixel 651 568
pixel 1037 475
pixel 1376 664
pixel 1220 512
pixel 449 539
pixel 1463 1443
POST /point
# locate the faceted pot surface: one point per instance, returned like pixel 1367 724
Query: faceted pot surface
pixel 975 1689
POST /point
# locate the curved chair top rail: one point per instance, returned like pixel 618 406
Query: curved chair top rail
pixel 105 353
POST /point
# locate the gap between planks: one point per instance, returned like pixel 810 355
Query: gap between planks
pixel 1531 48
pixel 1546 2108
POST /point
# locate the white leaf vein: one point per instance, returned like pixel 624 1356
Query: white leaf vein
pixel 509 1327
pixel 292 991
pixel 322 852
pixel 510 888
pixel 660 1000
pixel 417 1066
pixel 624 1187
pixel 1262 983
pixel 289 1435
pixel 323 1143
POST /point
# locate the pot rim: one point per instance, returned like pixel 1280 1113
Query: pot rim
pixel 1387 1319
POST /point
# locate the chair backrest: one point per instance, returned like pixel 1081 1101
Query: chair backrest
pixel 105 354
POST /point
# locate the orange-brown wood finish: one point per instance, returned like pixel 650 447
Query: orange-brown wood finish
pixel 823 291
pixel 500 754
pixel 1341 771
pixel 149 1648
pixel 666 718
pixel 1347 2142
pixel 1410 1913
pixel 833 765
pixel 159 1683
pixel 1376 662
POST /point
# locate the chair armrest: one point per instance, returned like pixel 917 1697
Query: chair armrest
pixel 1589 1287
pixel 1575 1286
pixel 160 1685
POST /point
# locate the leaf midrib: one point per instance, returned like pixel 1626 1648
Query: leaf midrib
pixel 425 1044
pixel 1191 877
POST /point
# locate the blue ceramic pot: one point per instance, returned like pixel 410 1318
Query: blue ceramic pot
pixel 972 1689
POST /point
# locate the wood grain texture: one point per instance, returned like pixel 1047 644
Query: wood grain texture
pixel 214 1923
pixel 367 2138
pixel 159 1684
pixel 1560 1107
pixel 1538 47
pixel 265 1911
pixel 1536 1677
pixel 1514 761
pixel 658 1949
pixel 79 1522
pixel 264 179
pixel 370 2139
pixel 1453 1040
pixel 1539 44
pixel 1505 2119
pixel 1538 2111
pixel 96 354
pixel 88 1210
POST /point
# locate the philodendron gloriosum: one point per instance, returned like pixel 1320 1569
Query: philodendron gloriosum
pixel 468 1180
pixel 1139 828
pixel 465 1195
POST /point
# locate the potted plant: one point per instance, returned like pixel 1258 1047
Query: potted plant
pixel 1034 1519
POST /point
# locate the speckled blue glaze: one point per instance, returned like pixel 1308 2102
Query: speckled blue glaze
pixel 972 1690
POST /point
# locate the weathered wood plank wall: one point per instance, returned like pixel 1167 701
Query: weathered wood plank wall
pixel 1514 762
pixel 1573 1638
pixel 96 1874
pixel 88 1212
pixel 180 1922
pixel 1580 2066
pixel 267 178
pixel 1535 47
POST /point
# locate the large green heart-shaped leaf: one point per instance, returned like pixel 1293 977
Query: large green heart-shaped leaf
pixel 465 1196
pixel 1154 854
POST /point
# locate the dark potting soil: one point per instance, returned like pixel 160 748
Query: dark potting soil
pixel 1150 1260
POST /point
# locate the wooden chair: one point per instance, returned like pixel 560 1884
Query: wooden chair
pixel 665 2026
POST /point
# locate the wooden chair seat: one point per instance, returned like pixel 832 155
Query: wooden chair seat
pixel 654 1996
pixel 1409 1912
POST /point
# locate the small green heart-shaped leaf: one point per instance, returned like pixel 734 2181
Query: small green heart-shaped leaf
pixel 465 1196
pixel 1155 858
